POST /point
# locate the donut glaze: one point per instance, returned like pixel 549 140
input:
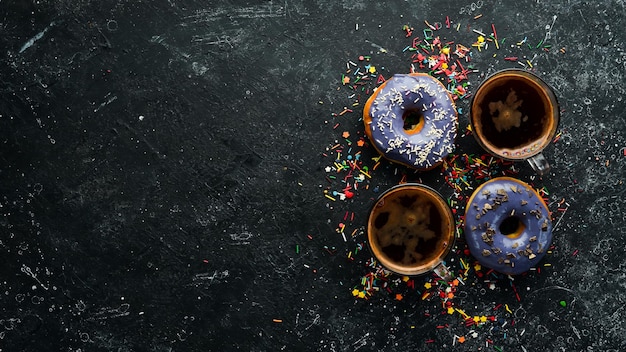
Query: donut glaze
pixel 423 145
pixel 507 200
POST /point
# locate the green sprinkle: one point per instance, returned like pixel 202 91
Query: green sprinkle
pixel 563 303
pixel 498 348
pixel 538 45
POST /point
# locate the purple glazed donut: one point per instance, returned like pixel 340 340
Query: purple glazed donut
pixel 507 225
pixel 411 119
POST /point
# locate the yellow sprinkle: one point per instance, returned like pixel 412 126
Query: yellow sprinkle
pixel 529 63
pixel 462 313
pixel 405 278
pixel 365 173
pixel 506 306
pixel 450 310
pixel 329 197
pixel 483 319
pixel 355 292
pixel 361 294
pixel 428 285
pixel 547 264
pixel 372 69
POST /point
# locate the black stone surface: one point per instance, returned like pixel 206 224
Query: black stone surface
pixel 161 161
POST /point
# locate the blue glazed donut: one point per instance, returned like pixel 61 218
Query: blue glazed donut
pixel 411 119
pixel 507 225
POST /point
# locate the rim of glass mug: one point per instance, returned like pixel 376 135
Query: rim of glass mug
pixel 530 150
pixel 433 265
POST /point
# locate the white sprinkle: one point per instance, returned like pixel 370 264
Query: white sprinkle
pixel 479 32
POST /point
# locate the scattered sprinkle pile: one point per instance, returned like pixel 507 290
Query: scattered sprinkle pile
pixel 348 172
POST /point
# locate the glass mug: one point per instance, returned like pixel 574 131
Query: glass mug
pixel 514 115
pixel 410 230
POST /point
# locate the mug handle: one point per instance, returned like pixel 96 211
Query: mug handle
pixel 443 272
pixel 539 164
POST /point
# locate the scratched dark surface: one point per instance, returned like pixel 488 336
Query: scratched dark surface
pixel 162 171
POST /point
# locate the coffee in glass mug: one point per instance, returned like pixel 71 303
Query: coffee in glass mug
pixel 514 115
pixel 410 229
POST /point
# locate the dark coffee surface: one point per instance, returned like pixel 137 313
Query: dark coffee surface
pixel 409 229
pixel 162 175
pixel 514 113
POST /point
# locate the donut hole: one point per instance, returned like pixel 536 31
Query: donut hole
pixel 413 120
pixel 511 227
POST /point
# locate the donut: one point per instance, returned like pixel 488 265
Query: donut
pixel 411 119
pixel 507 225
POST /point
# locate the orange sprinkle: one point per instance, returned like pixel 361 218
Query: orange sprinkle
pixel 277 320
pixel 461 339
